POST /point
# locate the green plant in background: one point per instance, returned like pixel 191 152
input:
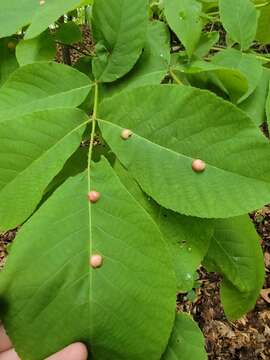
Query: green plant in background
pixel 129 170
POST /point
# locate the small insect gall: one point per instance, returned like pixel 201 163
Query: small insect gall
pixel 198 165
pixel 11 45
pixel 93 196
pixel 96 261
pixel 126 134
pixel 42 2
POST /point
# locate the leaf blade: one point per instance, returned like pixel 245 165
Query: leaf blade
pixel 118 330
pixel 235 252
pixel 44 141
pixel 186 340
pixel 121 43
pixel 174 148
pixel 182 16
pixel 240 20
pixel 36 87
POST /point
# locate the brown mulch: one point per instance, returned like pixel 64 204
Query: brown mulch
pixel 76 51
pixel 247 338
pixel 5 240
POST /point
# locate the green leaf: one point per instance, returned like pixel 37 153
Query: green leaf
pixel 263 29
pixel 75 165
pixel 172 125
pixel 207 41
pixel 8 62
pixel 153 64
pixel 15 14
pixel 236 303
pixel 236 254
pixel 188 238
pixel 37 87
pixel 247 64
pixel 255 104
pixel 69 33
pixel 119 28
pixel 268 107
pixel 184 18
pixel 33 150
pixel 48 13
pixel 186 342
pixel 41 48
pixel 239 19
pixel 204 74
pixel 119 317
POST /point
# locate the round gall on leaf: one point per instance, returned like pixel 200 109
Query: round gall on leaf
pixel 42 2
pixel 93 196
pixel 198 165
pixel 11 45
pixel 96 261
pixel 126 134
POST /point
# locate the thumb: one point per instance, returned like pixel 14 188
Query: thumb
pixel 76 351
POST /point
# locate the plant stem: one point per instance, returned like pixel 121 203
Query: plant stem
pixel 263 58
pixel 74 48
pixel 259 6
pixel 94 118
pixel 175 78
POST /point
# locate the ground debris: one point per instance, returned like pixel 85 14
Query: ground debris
pixel 5 240
pixel 247 338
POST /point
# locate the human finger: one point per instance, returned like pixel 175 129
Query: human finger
pixel 9 355
pixel 5 343
pixel 76 351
